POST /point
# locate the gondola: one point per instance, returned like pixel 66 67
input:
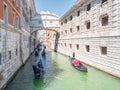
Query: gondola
pixel 81 66
pixel 38 69
pixel 43 52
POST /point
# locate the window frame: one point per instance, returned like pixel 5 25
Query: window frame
pixel 17 3
pixel 65 44
pixel 77 47
pixel 89 7
pixel 105 20
pixel 71 17
pixel 0 58
pixel 70 46
pixel 71 30
pixel 10 54
pixel 5 14
pixel 88 25
pixel 78 28
pixel 78 13
pixel 103 50
pixel 87 48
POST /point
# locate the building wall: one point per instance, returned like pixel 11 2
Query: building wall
pixel 96 37
pixel 12 8
pixel 10 52
pixel 25 29
pixel 25 45
pixel 14 37
pixel 32 8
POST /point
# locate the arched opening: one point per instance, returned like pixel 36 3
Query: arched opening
pixel 56 38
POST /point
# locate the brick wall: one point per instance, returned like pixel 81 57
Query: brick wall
pixel 12 8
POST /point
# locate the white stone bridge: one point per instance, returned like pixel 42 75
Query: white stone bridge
pixel 45 21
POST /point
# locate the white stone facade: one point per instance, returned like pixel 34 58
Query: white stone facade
pixel 25 45
pixel 10 52
pixel 102 41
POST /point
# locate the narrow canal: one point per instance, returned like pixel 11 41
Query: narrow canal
pixel 60 75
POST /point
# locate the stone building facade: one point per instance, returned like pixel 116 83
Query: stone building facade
pixel 26 15
pixel 91 29
pixel 10 59
pixel 15 17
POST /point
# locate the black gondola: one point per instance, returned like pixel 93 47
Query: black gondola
pixel 81 66
pixel 36 53
pixel 43 52
pixel 38 69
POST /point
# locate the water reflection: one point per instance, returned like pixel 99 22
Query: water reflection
pixel 38 83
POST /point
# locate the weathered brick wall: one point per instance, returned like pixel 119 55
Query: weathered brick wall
pixel 95 37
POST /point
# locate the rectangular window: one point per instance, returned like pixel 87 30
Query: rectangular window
pixel 13 20
pixel 65 44
pixel 16 52
pixel 88 25
pixel 17 2
pixel 77 46
pixel 78 13
pixel 9 54
pixel 70 45
pixel 65 20
pixel 5 14
pixel 71 30
pixel 0 59
pixel 104 21
pixel 71 17
pixel 87 48
pixel 66 31
pixel 104 1
pixel 103 50
pixel 16 22
pixel 61 23
pixel 78 28
pixel 88 7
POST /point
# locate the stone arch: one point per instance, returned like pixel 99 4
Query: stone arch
pixel 54 30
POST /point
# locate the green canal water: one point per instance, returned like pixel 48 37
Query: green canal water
pixel 60 75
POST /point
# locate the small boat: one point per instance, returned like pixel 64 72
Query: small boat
pixel 36 53
pixel 43 52
pixel 38 69
pixel 80 66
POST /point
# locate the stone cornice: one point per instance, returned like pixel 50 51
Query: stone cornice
pixel 9 28
pixel 25 31
pixel 73 8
